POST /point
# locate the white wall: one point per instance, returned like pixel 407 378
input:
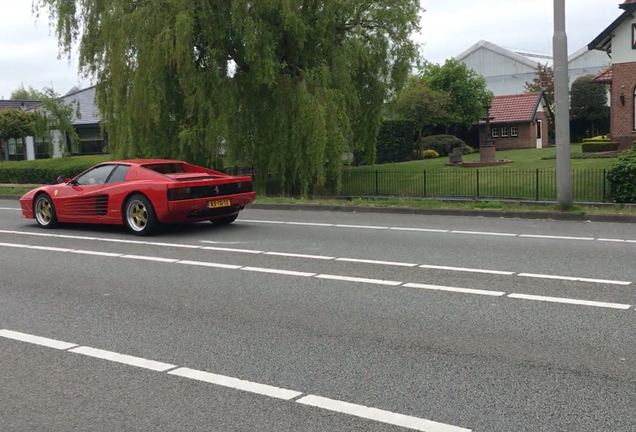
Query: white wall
pixel 622 51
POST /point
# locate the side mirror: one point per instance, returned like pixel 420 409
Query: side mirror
pixel 61 179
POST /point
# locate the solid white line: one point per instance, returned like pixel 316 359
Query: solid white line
pixel 10 208
pixel 66 236
pixel 15 245
pixel 318 224
pixel 262 221
pixel 540 236
pixel 235 383
pixel 570 301
pixel 485 233
pixel 87 252
pixel 37 340
pixel 368 261
pixel 378 415
pixel 455 289
pixel 176 245
pixel 222 249
pixel 116 240
pixel 294 255
pixel 277 271
pixel 576 279
pixel 358 279
pixel 122 358
pixel 611 240
pixel 362 226
pixel 419 229
pixel 470 270
pixel 150 258
pixel 50 248
pixel 209 264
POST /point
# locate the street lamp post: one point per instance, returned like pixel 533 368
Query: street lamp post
pixel 562 107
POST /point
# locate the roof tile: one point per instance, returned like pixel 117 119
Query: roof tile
pixel 514 108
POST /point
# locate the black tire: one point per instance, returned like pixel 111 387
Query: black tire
pixel 44 211
pixel 139 215
pixel 224 220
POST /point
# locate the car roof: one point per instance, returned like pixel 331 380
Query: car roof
pixel 145 161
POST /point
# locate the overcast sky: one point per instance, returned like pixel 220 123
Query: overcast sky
pixel 29 51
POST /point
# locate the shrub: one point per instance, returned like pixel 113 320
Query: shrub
pixel 600 138
pixel 442 144
pixel 396 141
pixel 430 154
pixel 46 170
pixel 622 177
pixel 599 147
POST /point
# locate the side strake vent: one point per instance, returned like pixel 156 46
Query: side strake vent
pixel 208 191
pixel 88 206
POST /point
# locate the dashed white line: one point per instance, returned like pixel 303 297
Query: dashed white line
pixel 98 253
pixel 264 221
pixel 224 249
pixel 175 245
pixel 236 383
pixel 419 229
pixel 372 227
pixel 470 270
pixel 14 245
pixel 295 255
pixel 50 248
pixel 611 240
pixel 123 358
pixel 278 271
pixel 553 237
pixel 455 289
pixel 570 301
pixel 575 279
pixel 359 279
pixel 484 233
pixel 209 264
pixel 10 208
pixel 37 340
pixel 369 261
pixel 150 258
pixel 318 224
pixel 378 415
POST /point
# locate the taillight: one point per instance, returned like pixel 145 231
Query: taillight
pixel 179 194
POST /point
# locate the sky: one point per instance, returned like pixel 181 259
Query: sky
pixel 29 53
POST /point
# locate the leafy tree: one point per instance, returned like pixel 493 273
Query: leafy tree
pixel 467 91
pixel 16 123
pixel 54 114
pixel 543 82
pixel 424 106
pixel 27 94
pixel 589 102
pixel 286 85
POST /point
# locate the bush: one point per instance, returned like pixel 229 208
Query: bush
pixel 600 138
pixel 396 141
pixel 430 154
pixel 46 170
pixel 443 144
pixel 622 177
pixel 599 147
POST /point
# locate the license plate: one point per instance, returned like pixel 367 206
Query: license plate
pixel 219 203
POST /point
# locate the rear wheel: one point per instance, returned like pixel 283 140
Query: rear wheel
pixel 225 220
pixel 139 215
pixel 44 211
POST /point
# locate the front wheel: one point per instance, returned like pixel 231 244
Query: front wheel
pixel 139 215
pixel 224 220
pixel 44 211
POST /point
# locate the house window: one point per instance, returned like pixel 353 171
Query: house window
pixel 514 131
pixel 495 132
pixel 504 131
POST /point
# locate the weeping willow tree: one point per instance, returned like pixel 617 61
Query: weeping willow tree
pixel 286 85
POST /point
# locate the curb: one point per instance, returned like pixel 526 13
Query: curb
pixel 449 212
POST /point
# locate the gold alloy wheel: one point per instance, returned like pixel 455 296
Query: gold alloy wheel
pixel 137 215
pixel 43 211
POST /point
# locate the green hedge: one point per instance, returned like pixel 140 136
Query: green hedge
pixel 622 177
pixel 46 170
pixel 596 139
pixel 444 144
pixel 599 147
pixel 396 141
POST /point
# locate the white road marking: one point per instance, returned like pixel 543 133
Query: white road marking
pixel 277 271
pixel 10 208
pixel 236 383
pixel 87 252
pixel 576 279
pixel 262 221
pixel 419 229
pixel 295 255
pixel 318 224
pixel 37 340
pixel 175 245
pixel 455 289
pixel 150 258
pixel 66 236
pixel 570 301
pixel 362 227
pixel 553 237
pixel 369 261
pixel 209 264
pixel 14 245
pixel 359 279
pixel 378 415
pixel 122 358
pixel 611 240
pixel 223 249
pixel 470 270
pixel 484 233
pixel 50 248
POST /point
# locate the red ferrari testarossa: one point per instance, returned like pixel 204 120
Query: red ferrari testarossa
pixel 140 194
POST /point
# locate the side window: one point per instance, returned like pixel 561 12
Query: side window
pixel 119 174
pixel 95 176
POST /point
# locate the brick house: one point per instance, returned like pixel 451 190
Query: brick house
pixel 518 121
pixel 619 41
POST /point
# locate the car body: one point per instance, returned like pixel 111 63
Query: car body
pixel 129 191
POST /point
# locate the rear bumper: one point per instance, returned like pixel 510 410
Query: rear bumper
pixel 197 209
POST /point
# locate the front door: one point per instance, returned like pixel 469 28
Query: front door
pixel 539 134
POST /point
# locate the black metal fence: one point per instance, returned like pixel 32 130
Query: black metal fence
pixel 589 185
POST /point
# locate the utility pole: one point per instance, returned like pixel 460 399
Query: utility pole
pixel 562 107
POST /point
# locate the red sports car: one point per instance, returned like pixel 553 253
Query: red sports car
pixel 140 194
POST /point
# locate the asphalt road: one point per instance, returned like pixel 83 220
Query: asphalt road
pixel 319 321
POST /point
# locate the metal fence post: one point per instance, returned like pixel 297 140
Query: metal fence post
pixel 425 184
pixel 477 180
pixel 536 184
pixel 604 182
pixel 377 188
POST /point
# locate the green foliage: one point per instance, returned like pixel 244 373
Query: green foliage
pixel 26 94
pixel 466 89
pixel 427 108
pixel 287 86
pixel 429 154
pixel 600 138
pixel 55 114
pixel 589 111
pixel 46 170
pixel 599 147
pixel 622 177
pixel 396 141
pixel 543 82
pixel 443 144
pixel 16 123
